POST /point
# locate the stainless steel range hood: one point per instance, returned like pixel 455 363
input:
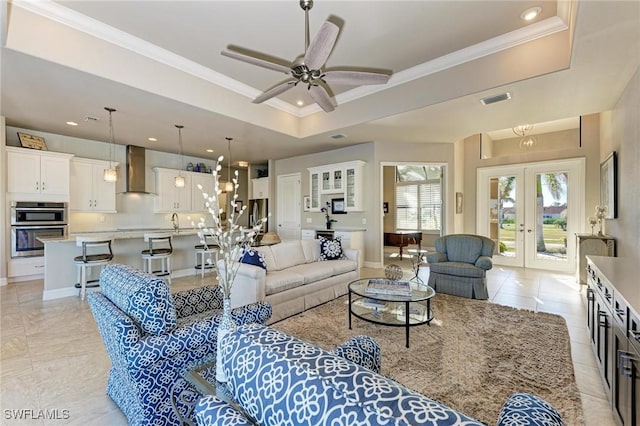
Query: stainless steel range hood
pixel 136 170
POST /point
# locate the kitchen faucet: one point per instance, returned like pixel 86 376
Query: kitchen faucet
pixel 176 222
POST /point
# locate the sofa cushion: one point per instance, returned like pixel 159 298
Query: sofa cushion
pixel 253 257
pixel 144 297
pixel 311 249
pixel 267 256
pixel 457 269
pixel 342 266
pixel 463 248
pixel 277 281
pixel 331 249
pixel 288 254
pixel 314 271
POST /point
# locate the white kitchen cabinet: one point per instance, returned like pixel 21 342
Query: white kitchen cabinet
pixel 27 266
pixel 170 198
pixel 337 179
pixel 260 188
pixel 314 190
pixel 37 175
pixel 308 234
pixel 205 180
pixel 89 191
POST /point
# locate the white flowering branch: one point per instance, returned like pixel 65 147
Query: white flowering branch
pixel 231 237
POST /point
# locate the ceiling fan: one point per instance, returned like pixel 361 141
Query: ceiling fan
pixel 309 68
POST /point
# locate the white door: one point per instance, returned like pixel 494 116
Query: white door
pixel 289 207
pixel 532 211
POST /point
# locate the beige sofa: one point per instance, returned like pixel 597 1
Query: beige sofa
pixel 296 279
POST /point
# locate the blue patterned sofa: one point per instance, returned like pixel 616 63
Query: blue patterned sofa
pixel 279 380
pixel 153 337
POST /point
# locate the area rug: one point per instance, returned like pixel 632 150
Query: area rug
pixel 471 358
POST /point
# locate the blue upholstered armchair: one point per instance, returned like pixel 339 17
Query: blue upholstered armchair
pixel 459 265
pixel 153 337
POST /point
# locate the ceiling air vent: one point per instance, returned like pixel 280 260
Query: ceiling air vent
pixel 497 98
pixel 338 136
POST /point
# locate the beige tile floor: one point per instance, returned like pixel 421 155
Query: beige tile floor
pixel 52 357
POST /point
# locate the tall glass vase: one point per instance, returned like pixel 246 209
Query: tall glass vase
pixel 227 325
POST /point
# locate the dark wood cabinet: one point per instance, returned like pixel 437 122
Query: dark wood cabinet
pixel 614 332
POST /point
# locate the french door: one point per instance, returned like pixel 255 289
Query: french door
pixel 533 211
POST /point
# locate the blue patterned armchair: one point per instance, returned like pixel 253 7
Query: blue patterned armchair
pixel 459 265
pixel 276 379
pixel 153 337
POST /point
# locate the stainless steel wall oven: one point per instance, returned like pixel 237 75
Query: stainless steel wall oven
pixel 31 220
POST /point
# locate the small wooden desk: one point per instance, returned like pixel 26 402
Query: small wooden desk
pixel 402 239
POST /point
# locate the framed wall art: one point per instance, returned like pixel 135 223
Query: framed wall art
pixel 608 185
pixel 306 203
pixel 337 206
pixel 33 142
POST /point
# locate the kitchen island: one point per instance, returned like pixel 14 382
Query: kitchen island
pixel 60 274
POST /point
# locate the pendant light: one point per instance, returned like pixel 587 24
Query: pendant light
pixel 526 142
pixel 228 187
pixel 110 174
pixel 179 180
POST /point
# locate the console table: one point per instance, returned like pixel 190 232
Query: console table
pixel 613 320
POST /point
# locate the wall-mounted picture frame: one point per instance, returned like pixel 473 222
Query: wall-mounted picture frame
pixel 306 203
pixel 609 185
pixel 458 202
pixel 238 206
pixel 337 206
pixel 33 142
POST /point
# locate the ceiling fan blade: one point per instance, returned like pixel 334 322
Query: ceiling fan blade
pixel 275 90
pixel 320 47
pixel 256 61
pixel 355 78
pixel 322 98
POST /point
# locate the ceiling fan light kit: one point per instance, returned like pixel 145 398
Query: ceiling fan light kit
pixel 309 67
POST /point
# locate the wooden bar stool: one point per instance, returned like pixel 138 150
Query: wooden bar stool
pixel 206 254
pixel 96 252
pixel 160 248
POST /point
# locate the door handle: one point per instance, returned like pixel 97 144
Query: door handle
pixel 529 230
pixel 521 227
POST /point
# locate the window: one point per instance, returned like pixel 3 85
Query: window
pixel 418 198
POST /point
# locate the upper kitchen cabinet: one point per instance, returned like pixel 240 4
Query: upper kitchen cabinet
pixel 205 180
pixel 89 191
pixel 260 188
pixel 337 179
pixel 37 175
pixel 170 198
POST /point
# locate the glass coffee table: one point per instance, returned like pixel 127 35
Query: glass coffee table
pixel 202 381
pixel 389 309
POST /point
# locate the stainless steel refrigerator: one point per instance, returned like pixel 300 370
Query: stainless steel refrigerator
pixel 257 210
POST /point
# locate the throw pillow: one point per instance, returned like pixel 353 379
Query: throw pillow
pixel 253 257
pixel 331 249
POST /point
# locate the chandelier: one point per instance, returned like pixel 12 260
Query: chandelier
pixel 526 142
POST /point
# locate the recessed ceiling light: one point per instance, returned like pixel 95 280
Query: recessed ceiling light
pixel 300 103
pixel 209 150
pixel 152 139
pixel 72 123
pixel 531 13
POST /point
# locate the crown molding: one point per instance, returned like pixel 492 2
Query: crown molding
pixel 93 27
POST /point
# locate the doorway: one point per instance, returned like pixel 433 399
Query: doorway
pixel 413 209
pixel 289 207
pixel 532 211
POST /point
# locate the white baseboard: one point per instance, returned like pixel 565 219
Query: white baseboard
pixel 59 292
pixel 3 281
